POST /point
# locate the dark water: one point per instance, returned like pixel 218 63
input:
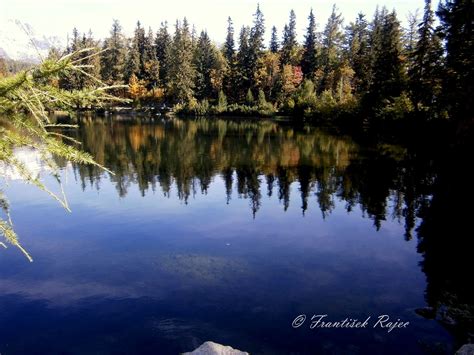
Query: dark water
pixel 227 231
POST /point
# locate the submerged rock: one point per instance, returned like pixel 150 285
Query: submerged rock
pixel 211 348
pixel 466 349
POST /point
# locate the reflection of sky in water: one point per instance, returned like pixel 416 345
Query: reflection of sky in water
pixel 135 274
pixel 177 274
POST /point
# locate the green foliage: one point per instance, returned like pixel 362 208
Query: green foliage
pixel 396 108
pixel 249 99
pixel 274 46
pixel 112 59
pixel 326 104
pixel 33 92
pixel 306 98
pixel 289 46
pixel 221 102
pixel 458 82
pixel 309 59
pixel 426 69
pixel 181 71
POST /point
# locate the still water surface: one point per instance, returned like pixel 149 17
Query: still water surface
pixel 224 231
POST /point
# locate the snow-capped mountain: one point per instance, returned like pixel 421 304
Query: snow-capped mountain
pixel 19 41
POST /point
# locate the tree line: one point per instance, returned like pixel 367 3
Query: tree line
pixel 374 67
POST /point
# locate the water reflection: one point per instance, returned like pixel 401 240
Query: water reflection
pixel 254 159
pixel 224 230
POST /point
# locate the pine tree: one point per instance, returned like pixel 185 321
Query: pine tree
pixel 309 60
pixel 150 63
pixel 230 78
pixel 425 73
pixel 113 58
pixel 181 72
pixel 411 34
pixel 274 46
pixel 358 52
pixel 289 44
pixel 162 47
pixel 229 45
pixel 388 69
pixel 255 44
pixel 244 70
pixel 456 29
pixel 132 63
pixel 203 62
pixel 331 51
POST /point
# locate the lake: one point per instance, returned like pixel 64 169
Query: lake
pixel 228 230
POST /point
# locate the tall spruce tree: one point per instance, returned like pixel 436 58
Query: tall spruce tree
pixel 181 72
pixel 133 65
pixel 309 60
pixel 114 55
pixel 331 51
pixel 289 43
pixel 230 78
pixel 358 52
pixel 162 47
pixel 457 31
pixel 151 66
pixel 255 43
pixel 244 68
pixel 203 62
pixel 425 72
pixel 229 45
pixel 274 46
pixel 386 49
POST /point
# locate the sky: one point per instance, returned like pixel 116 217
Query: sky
pixel 58 17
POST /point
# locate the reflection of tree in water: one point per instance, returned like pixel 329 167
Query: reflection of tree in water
pixel 445 242
pixel 188 154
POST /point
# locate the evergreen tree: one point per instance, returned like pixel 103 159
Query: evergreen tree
pixel 244 70
pixel 255 43
pixel 203 62
pixel 230 78
pixel 289 44
pixel 229 45
pixel 162 47
pixel 411 33
pixel 425 73
pixel 331 51
pixel 113 58
pixel 456 29
pixel 150 64
pixel 181 72
pixel 388 70
pixel 358 52
pixel 132 63
pixel 309 60
pixel 274 46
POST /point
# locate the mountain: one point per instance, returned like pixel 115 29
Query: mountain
pixel 19 41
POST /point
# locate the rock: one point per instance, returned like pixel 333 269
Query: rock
pixel 211 348
pixel 466 349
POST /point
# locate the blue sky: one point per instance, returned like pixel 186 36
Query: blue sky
pixel 60 16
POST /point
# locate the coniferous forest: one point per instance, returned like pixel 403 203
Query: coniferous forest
pixel 372 68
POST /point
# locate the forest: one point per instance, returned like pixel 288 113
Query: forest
pixel 374 69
